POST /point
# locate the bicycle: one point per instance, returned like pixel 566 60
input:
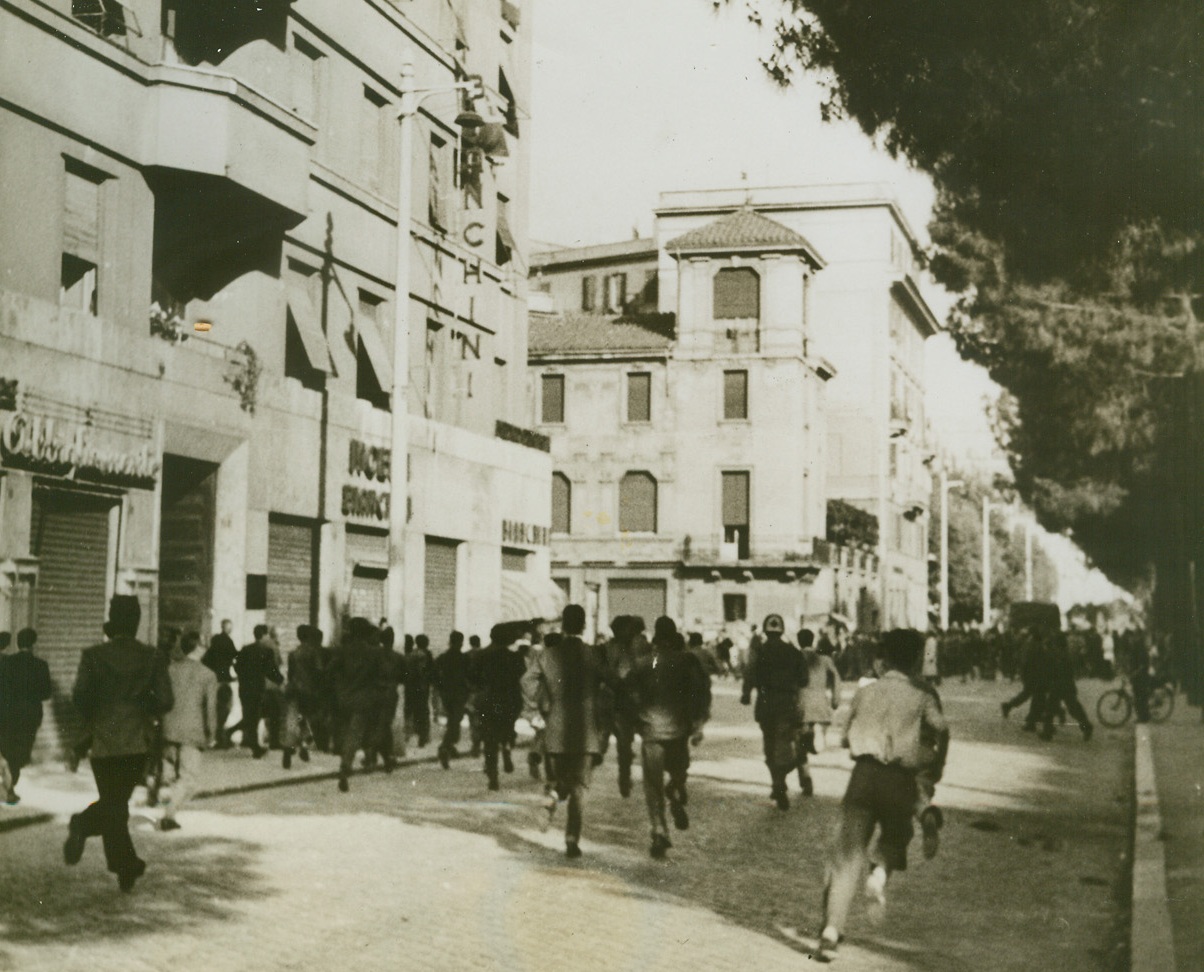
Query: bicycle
pixel 1116 706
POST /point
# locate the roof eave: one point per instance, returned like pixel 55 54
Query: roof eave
pixel 904 287
pixel 809 252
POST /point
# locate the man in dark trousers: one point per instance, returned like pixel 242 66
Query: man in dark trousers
pixel 885 734
pixel 451 679
pixel 417 694
pixel 120 687
pixel 778 672
pixel 393 674
pixel 625 646
pixel 357 674
pixel 302 694
pixel 255 667
pixel 475 734
pixel 1060 689
pixel 218 658
pixel 671 695
pixel 561 692
pixel 495 673
pixel 24 686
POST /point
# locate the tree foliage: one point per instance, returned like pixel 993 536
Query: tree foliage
pixel 1064 140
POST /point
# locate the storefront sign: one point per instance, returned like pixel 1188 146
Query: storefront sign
pixel 370 463
pixel 66 449
pixel 526 533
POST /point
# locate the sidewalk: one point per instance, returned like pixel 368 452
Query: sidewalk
pixel 1178 756
pixel 50 790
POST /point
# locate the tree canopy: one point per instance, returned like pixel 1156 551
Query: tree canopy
pixel 1064 141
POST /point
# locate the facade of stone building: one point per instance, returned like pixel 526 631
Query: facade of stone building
pixel 688 440
pixel 198 252
pixel 870 319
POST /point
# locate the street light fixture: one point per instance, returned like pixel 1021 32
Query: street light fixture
pixel 411 99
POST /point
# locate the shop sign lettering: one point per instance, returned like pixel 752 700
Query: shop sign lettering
pixel 527 533
pixel 370 462
pixel 69 450
pixel 366 504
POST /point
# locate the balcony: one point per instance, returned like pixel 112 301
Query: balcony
pixel 212 124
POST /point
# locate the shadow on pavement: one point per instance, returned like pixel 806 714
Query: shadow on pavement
pixel 203 880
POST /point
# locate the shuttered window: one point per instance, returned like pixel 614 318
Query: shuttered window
pixel 292 588
pixel 735 499
pixel 439 185
pixel 81 217
pixel 562 503
pixel 637 503
pixel 737 294
pixel 645 599
pixel 639 397
pixel 439 613
pixel 589 293
pixel 735 395
pixel 552 399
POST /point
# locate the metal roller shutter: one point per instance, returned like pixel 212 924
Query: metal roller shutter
pixel 186 544
pixel 291 585
pixel 640 598
pixel 439 616
pixel 368 558
pixel 70 538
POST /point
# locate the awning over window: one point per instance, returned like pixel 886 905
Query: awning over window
pixel 503 229
pixel 376 349
pixel 305 318
pixel 511 14
pixel 526 597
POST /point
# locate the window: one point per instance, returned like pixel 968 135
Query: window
pixel 306 356
pixel 735 503
pixel 735 607
pixel 437 186
pixel 552 399
pixel 309 80
pixel 637 503
pixel 79 285
pixel 562 503
pixel 737 294
pixel 503 87
pixel 367 382
pixel 106 17
pixel 589 293
pixel 505 245
pixel 514 559
pixel 616 292
pixel 735 395
pixel 639 397
pixel 372 138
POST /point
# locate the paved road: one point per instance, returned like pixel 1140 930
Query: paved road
pixel 425 869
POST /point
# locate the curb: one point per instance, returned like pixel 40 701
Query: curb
pixel 299 779
pixel 1151 941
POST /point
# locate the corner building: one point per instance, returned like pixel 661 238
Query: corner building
pixel 198 251
pixel 689 441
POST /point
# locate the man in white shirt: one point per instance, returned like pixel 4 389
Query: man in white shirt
pixel 191 725
pixel 883 734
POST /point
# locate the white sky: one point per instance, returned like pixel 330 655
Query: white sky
pixel 631 98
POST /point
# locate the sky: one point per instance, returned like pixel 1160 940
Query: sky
pixel 631 98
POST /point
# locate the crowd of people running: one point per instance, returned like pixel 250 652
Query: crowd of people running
pixel 579 698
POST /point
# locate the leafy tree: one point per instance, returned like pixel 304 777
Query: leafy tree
pixel 1063 138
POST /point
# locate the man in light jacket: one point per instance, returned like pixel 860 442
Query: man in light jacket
pixel 191 725
pixel 120 688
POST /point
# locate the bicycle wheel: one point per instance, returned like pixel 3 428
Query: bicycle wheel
pixel 1114 708
pixel 1162 704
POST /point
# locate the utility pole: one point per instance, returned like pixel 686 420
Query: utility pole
pixel 946 485
pixel 986 562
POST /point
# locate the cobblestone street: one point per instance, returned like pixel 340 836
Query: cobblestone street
pixel 425 869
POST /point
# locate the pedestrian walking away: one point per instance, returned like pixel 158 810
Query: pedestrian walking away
pixel 302 694
pixel 119 688
pixel 671 695
pixel 818 699
pixel 219 658
pixel 561 695
pixel 619 717
pixel 24 686
pixel 417 694
pixel 884 735
pixel 777 672
pixel 255 667
pixel 451 680
pixel 357 674
pixel 495 673
pixel 190 726
pixel 392 675
pixel 1060 690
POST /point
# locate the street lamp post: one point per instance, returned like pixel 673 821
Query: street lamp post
pixel 411 99
pixel 946 485
pixel 986 562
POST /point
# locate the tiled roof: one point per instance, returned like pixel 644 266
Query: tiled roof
pixel 577 333
pixel 742 229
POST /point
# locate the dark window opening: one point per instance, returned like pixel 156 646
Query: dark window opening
pixel 77 284
pixel 552 399
pixel 735 607
pixel 639 397
pixel 562 503
pixel 737 294
pixel 296 360
pixel 106 17
pixel 735 512
pixel 367 385
pixel 503 87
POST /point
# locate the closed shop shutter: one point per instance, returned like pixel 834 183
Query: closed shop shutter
pixel 186 544
pixel 640 598
pixel 439 616
pixel 368 560
pixel 291 583
pixel 70 538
